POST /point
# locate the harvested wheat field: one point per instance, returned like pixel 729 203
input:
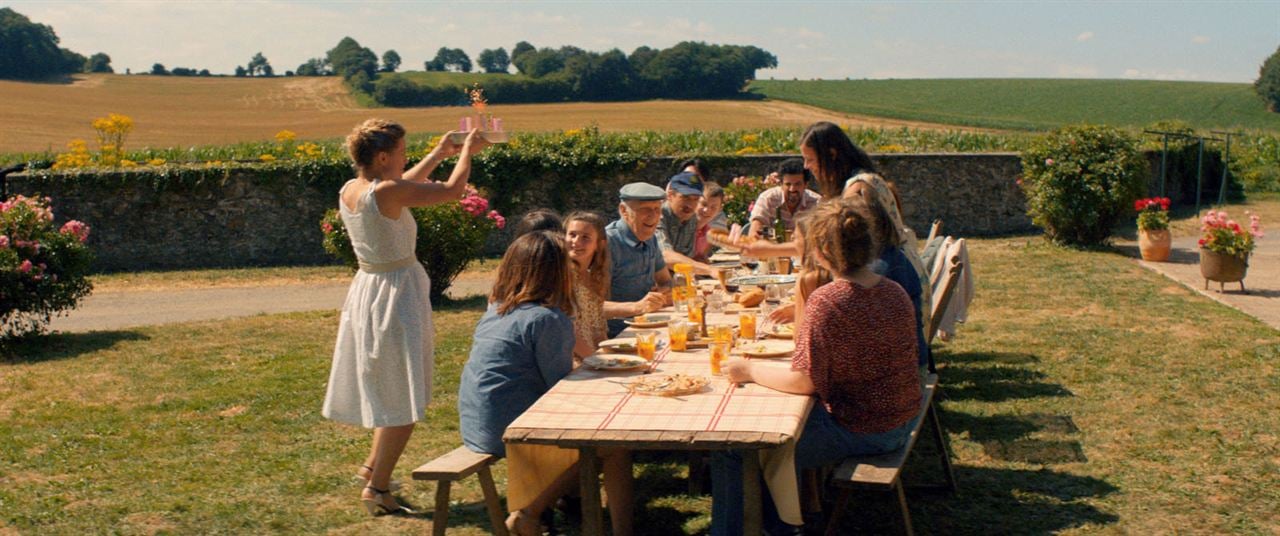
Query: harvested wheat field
pixel 180 111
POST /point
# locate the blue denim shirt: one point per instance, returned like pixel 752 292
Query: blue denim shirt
pixel 515 358
pixel 893 264
pixel 632 265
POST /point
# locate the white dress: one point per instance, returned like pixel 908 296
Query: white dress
pixel 382 362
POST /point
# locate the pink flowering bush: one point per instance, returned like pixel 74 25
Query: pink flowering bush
pixel 450 236
pixel 1224 235
pixel 43 268
pixel 741 193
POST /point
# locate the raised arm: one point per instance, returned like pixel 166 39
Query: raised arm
pixel 416 191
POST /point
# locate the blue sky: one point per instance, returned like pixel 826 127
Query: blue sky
pixel 1203 41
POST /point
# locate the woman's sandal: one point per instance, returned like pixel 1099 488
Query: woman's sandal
pixel 376 507
pixel 362 480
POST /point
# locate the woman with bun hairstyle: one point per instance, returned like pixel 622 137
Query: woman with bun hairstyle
pixel 382 361
pixel 856 352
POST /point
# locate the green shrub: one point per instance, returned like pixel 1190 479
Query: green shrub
pixel 43 269
pixel 450 236
pixel 1255 161
pixel 1079 180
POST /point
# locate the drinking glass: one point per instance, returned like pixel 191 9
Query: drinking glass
pixel 678 332
pixel 719 353
pixel 747 325
pixel 646 344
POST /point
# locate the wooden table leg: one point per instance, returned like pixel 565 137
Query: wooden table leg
pixel 589 479
pixel 753 521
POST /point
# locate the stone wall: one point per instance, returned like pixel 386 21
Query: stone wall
pixel 244 221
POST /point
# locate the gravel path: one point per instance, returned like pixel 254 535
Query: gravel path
pixel 126 309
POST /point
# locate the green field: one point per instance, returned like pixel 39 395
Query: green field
pixel 1035 104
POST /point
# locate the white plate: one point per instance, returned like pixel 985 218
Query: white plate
pixel 783 331
pixel 620 345
pixel 761 280
pixel 615 362
pixel 650 321
pixel 768 348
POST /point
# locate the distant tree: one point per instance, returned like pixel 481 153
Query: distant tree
pixel 1268 83
pixel 449 59
pixel 182 71
pixel 390 61
pixel 29 51
pixel 288 73
pixel 521 49
pixel 259 66
pixel 493 61
pixel 204 72
pixel 540 63
pixel 241 72
pixel 349 58
pixel 159 69
pixel 641 57
pixel 314 67
pixel 98 63
pixel 600 77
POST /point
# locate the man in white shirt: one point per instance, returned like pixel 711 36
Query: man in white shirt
pixel 792 197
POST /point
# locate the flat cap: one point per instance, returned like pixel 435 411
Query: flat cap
pixel 641 191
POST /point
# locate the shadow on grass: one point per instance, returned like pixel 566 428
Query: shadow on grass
pixel 473 302
pixel 997 501
pixel 60 346
pixel 994 384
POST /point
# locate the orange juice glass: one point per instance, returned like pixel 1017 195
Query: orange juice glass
pixel 695 312
pixel 719 353
pixel 722 333
pixel 646 344
pixel 747 325
pixel 679 334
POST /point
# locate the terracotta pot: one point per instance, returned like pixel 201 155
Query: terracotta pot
pixel 1223 268
pixel 1155 245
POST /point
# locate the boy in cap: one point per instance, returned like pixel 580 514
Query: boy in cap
pixel 636 265
pixel 678 230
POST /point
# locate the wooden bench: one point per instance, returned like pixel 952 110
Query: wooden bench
pixel 454 466
pixel 884 471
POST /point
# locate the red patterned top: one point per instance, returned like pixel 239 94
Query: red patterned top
pixel 858 346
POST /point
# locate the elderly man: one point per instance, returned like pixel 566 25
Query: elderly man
pixel 678 230
pixel 636 265
pixel 792 197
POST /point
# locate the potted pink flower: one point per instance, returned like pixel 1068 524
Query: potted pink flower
pixel 1154 240
pixel 1225 246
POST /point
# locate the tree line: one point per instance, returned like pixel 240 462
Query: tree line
pixel 30 51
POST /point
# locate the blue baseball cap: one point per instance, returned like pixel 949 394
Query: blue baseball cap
pixel 686 183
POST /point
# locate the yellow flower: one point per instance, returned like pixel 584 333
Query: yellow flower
pixel 750 139
pixel 747 150
pixel 892 148
pixel 156 162
pixel 285 136
pixel 128 163
pixel 267 158
pixel 573 132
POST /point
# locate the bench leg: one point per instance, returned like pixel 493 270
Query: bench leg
pixel 940 440
pixel 753 523
pixel 440 520
pixel 833 520
pixel 491 502
pixel 902 505
pixel 696 468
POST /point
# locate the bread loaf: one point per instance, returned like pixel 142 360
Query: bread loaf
pixel 750 297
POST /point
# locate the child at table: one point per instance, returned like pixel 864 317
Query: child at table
pixel 856 351
pixel 522 346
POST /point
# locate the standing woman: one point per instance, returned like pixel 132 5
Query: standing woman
pixel 382 362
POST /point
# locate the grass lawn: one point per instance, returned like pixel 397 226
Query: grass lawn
pixel 247 277
pixel 1085 394
pixel 1035 104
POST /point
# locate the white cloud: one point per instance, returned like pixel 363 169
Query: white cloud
pixel 1200 39
pixel 1084 36
pixel 1158 74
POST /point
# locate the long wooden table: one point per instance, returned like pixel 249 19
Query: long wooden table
pixel 591 410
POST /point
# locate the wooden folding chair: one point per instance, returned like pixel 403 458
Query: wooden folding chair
pixel 942 299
